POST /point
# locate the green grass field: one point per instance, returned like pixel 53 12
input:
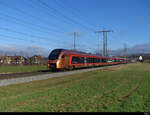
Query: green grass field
pixel 27 68
pixel 121 89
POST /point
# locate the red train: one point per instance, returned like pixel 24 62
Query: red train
pixel 69 59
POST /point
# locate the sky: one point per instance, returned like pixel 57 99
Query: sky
pixel 49 24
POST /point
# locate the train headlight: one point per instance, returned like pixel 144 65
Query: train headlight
pixel 48 65
pixel 57 63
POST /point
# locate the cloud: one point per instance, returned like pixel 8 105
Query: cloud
pixel 23 50
pixel 136 49
pixel 39 50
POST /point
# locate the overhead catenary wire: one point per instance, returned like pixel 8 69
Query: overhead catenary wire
pixel 38 27
pixel 43 27
pixel 35 5
pixel 64 16
pixel 29 35
pixel 73 12
pixel 30 15
pixel 8 37
pixel 20 22
pixel 50 13
pixel 29 23
pixel 23 12
pixel 38 18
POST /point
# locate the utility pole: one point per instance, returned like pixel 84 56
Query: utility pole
pixel 104 41
pixel 74 45
pixel 98 42
pixel 74 35
pixel 125 51
pixel 143 51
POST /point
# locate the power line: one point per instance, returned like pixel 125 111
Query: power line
pixel 35 17
pixel 25 22
pixel 72 11
pixel 48 7
pixel 18 21
pixel 27 34
pixel 33 6
pixel 64 16
pixel 6 36
pixel 21 39
pixel 25 13
pixel 50 13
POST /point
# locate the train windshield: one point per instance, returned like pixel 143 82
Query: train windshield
pixel 54 54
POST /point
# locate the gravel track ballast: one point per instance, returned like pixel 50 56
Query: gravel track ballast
pixel 6 82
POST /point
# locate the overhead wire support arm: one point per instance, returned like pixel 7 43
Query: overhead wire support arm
pixel 105 52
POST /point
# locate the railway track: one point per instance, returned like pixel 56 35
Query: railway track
pixel 22 74
pixel 28 74
pixel 15 78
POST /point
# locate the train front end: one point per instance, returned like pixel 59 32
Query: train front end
pixel 53 59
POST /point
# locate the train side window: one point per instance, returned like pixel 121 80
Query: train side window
pixel 74 60
pixel 94 60
pixel 97 60
pixel 103 60
pixel 100 60
pixel 90 60
pixel 77 60
pixel 62 56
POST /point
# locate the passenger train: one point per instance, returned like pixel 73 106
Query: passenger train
pixel 70 59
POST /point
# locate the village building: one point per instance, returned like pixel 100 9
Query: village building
pixel 5 59
pixel 37 59
pixel 18 60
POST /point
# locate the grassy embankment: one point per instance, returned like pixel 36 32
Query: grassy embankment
pixel 27 68
pixel 119 89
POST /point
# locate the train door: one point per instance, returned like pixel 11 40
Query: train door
pixel 62 64
pixel 85 61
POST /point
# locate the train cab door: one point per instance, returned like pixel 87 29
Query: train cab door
pixel 85 61
pixel 63 61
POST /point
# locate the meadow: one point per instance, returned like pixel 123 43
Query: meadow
pixel 122 89
pixel 22 68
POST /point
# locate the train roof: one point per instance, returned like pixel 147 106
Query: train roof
pixel 75 52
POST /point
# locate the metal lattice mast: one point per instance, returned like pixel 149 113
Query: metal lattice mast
pixel 105 53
